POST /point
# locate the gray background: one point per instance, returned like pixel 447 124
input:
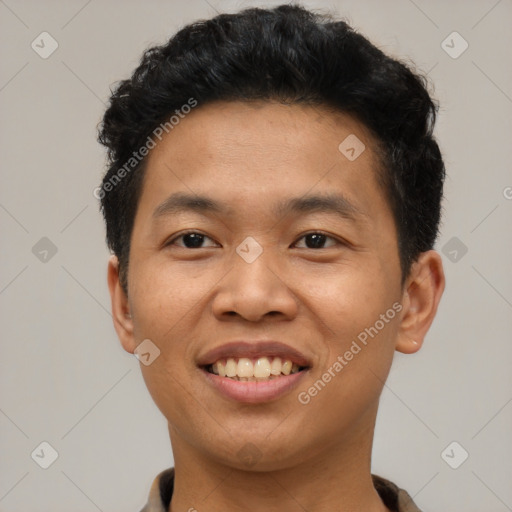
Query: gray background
pixel 64 377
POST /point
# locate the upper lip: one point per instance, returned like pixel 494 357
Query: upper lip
pixel 251 349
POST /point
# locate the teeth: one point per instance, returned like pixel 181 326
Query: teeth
pixel 286 368
pixel 275 367
pixel 231 367
pixel 245 367
pixel 247 370
pixel 262 368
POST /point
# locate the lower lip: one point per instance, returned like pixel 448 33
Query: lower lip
pixel 254 392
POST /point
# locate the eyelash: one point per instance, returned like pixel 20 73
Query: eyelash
pixel 171 242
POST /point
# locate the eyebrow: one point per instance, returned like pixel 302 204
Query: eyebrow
pixel 331 203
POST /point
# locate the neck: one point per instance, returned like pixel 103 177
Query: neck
pixel 337 478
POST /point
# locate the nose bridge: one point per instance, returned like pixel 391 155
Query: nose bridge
pixel 254 286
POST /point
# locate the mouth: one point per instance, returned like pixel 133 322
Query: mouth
pixel 254 372
pixel 261 369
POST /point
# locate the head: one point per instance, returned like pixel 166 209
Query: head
pixel 289 128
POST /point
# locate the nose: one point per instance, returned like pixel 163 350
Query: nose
pixel 254 290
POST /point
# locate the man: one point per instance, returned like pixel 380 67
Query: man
pixel 272 202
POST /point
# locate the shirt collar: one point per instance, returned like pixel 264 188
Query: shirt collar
pixel 160 494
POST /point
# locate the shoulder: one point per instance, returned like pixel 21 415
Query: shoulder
pixel 396 499
pixel 160 492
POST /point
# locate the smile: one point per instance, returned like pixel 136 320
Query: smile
pixel 259 369
pixel 253 371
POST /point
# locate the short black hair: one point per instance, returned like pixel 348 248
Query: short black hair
pixel 291 55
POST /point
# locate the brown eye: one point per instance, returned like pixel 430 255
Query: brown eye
pixel 317 240
pixel 191 240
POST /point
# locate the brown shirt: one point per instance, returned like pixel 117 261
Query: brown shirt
pixel 160 494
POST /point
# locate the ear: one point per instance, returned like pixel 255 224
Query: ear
pixel 121 315
pixel 422 292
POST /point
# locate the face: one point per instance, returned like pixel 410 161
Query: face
pixel 257 239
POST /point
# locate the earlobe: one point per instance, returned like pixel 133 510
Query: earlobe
pixel 408 345
pixel 422 293
pixel 121 314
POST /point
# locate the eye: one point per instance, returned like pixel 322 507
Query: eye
pixel 317 240
pixel 191 240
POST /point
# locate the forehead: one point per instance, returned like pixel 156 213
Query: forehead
pixel 218 129
pixel 238 150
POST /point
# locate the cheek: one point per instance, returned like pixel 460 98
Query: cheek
pixel 357 312
pixel 172 391
pixel 165 295
pixel 348 300
pixel 167 303
pixel 350 381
